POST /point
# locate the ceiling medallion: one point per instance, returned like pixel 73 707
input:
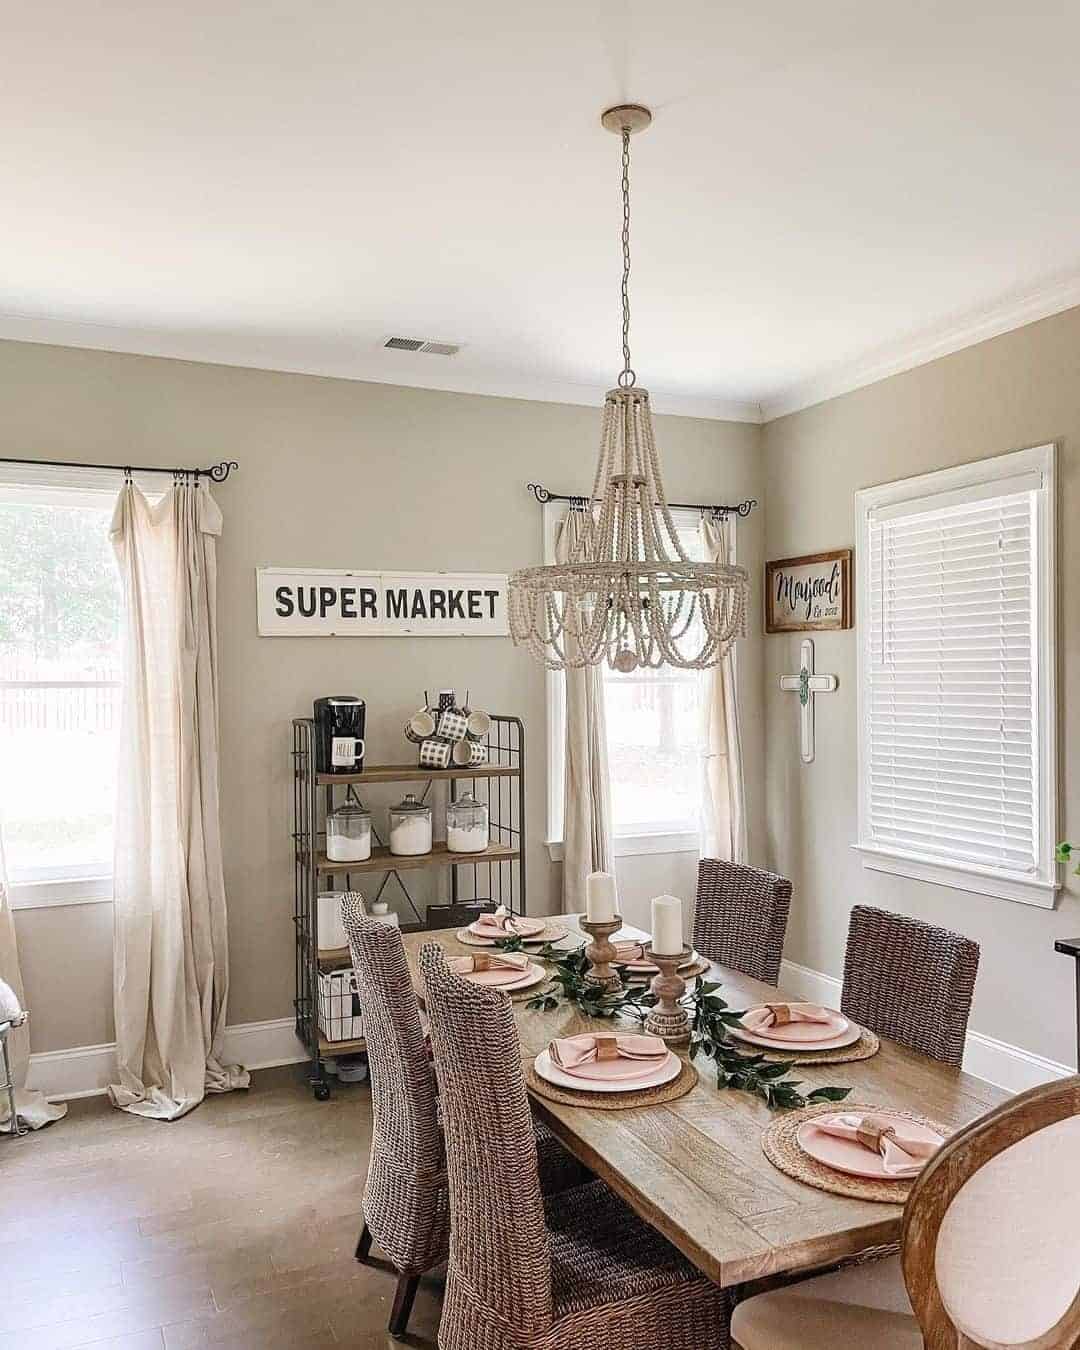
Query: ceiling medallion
pixel 629 595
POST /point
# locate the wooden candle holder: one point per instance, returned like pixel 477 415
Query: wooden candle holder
pixel 601 952
pixel 668 1019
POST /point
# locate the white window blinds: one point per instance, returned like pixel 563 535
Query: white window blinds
pixel 951 717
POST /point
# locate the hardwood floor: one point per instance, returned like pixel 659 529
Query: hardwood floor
pixel 233 1228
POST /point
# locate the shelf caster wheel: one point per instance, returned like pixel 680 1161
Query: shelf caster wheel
pixel 322 1092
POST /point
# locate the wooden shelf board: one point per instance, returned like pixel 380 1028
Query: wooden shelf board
pixel 331 1049
pixel 382 860
pixel 412 773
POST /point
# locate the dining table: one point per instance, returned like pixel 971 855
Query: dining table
pixel 694 1168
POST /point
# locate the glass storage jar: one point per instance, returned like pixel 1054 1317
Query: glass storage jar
pixel 348 833
pixel 410 827
pixel 466 825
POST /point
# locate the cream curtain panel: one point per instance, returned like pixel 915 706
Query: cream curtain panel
pixel 723 796
pixel 587 792
pixel 171 973
pixel 31 1107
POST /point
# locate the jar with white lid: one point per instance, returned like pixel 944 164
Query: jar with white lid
pixel 410 827
pixel 348 833
pixel 466 825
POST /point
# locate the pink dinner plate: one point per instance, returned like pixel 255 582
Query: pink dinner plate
pixel 847 1155
pixel 644 967
pixel 820 1035
pixel 498 977
pixel 645 1075
pixel 525 928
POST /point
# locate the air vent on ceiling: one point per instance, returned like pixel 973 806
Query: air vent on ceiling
pixel 400 344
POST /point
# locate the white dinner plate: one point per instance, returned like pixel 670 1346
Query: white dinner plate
pixel 665 1072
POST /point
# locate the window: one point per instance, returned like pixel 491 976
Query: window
pixel 654 740
pixel 59 687
pixel 957 760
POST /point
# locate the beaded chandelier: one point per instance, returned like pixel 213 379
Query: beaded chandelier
pixel 628 594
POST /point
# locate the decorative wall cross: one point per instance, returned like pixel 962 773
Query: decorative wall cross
pixel 806 684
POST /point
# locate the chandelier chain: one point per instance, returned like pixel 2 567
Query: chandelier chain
pixel 627 378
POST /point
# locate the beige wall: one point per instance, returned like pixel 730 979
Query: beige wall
pixel 1018 390
pixel 336 473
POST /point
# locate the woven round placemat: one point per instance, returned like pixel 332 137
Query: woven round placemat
pixel 864 1048
pixel 614 1101
pixel 552 933
pixel 779 1145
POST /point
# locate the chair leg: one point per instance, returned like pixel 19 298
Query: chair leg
pixel 403 1301
pixel 363 1247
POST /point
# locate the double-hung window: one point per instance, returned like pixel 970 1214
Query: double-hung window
pixel 654 726
pixel 957 740
pixel 60 613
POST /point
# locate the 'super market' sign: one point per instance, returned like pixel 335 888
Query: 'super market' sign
pixel 310 602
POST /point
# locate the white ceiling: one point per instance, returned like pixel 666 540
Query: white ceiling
pixel 828 191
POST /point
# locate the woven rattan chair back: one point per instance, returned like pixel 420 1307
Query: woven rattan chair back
pixel 910 981
pixel 498 1283
pixel 406 1204
pixel 741 917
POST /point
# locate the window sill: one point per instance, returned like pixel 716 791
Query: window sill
pixel 1025 890
pixel 53 894
pixel 638 845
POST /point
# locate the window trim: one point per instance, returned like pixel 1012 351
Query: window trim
pixel 638 842
pixel 62 891
pixel 1040 888
pixel 66 486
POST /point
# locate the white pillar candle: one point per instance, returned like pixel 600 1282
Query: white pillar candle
pixel 667 939
pixel 600 897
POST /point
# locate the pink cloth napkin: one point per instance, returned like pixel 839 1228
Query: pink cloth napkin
pixel 902 1155
pixel 499 961
pixel 576 1052
pixel 495 926
pixel 781 1014
pixel 629 951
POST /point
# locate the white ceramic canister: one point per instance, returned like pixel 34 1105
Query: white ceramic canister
pixel 331 930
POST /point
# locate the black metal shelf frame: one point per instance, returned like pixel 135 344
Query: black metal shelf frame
pixel 483 883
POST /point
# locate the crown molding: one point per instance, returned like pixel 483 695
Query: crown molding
pixel 979 325
pixel 373 365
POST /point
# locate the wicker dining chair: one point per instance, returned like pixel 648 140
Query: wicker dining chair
pixel 579 1272
pixel 405 1205
pixel 990 1249
pixel 741 917
pixel 909 981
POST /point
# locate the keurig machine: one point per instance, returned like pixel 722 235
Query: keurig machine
pixel 339 734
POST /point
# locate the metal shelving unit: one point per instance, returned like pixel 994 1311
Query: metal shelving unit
pixel 496 876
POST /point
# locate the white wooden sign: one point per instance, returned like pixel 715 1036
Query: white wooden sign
pixel 311 602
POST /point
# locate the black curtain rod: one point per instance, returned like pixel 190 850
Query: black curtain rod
pixel 217 473
pixel 542 495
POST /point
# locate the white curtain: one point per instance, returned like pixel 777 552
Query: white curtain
pixel 171 974
pixel 587 793
pixel 31 1107
pixel 723 796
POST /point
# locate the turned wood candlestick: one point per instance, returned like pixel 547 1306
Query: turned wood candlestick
pixel 601 952
pixel 668 1019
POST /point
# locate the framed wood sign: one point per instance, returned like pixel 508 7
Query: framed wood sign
pixel 316 602
pixel 808 594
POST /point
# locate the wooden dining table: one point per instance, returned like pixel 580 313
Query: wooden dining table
pixel 694 1168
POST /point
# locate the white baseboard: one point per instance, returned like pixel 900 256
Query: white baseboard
pixel 87 1070
pixel 1006 1066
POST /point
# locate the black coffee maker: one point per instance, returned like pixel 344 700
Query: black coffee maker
pixel 339 733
